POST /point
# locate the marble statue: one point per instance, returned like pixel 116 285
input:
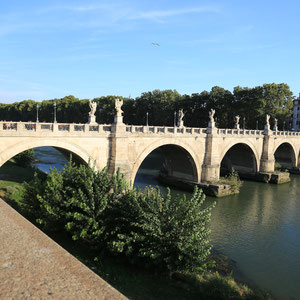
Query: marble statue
pixel 237 120
pixel 180 118
pixel 118 105
pixel 211 115
pixel 268 119
pixel 275 128
pixel 267 126
pixel 93 106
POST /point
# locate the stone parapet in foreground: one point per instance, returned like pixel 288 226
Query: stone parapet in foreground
pixel 32 266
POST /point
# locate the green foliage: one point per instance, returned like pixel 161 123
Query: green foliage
pixel 160 105
pixel 25 159
pixel 31 193
pixel 249 103
pixel 213 286
pixel 154 229
pixel 277 166
pixel 148 227
pixel 73 199
pixel 232 179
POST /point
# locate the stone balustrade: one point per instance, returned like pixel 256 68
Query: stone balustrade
pixel 11 128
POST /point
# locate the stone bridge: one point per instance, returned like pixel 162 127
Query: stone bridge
pixel 193 154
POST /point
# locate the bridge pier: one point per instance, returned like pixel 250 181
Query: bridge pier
pixel 211 166
pixel 267 161
pixel 118 151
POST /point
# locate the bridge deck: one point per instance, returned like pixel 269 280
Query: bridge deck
pixel 32 266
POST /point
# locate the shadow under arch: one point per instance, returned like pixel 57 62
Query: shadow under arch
pixel 177 161
pixel 285 155
pixel 241 157
pixel 65 147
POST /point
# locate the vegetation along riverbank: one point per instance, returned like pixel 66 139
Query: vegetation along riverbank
pixel 140 242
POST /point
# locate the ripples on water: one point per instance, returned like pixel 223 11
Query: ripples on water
pixel 259 228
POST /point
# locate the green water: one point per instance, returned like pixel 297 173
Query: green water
pixel 258 228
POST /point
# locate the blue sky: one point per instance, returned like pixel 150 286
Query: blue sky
pixel 50 49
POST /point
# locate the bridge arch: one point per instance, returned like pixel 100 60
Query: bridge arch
pixel 242 156
pixel 285 155
pixel 185 148
pixel 17 148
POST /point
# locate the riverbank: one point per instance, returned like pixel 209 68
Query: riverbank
pixel 134 282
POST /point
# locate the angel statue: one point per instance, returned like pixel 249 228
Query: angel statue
pixel 267 126
pixel 237 120
pixel 180 117
pixel 93 106
pixel 211 115
pixel 275 128
pixel 267 119
pixel 118 105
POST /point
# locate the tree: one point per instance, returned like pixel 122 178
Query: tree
pixel 255 103
pixel 154 229
pixel 73 199
pixel 160 106
pixel 25 159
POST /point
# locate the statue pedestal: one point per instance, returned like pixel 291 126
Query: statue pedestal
pixel 267 130
pixel 236 126
pixel 92 120
pixel 180 124
pixel 118 119
pixel 211 124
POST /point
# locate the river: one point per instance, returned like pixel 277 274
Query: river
pixel 258 228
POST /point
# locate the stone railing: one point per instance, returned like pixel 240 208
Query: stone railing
pixel 19 128
pixel 164 130
pixel 240 132
pixel 41 127
pixel 286 133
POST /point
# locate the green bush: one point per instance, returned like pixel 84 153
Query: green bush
pixel 148 227
pixel 153 229
pixel 214 286
pixel 232 179
pixel 73 199
pixel 25 159
pixel 277 166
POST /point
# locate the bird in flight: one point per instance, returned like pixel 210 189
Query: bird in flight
pixel 155 44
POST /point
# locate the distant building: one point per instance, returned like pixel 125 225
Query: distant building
pixel 296 114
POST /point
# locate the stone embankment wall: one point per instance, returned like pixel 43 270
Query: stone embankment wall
pixel 32 266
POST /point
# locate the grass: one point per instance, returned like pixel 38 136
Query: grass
pixel 233 180
pixel 134 282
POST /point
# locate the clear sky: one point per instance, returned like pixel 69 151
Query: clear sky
pixel 50 49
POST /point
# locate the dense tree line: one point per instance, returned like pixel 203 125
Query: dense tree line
pixel 251 104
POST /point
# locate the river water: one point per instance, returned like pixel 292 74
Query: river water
pixel 258 228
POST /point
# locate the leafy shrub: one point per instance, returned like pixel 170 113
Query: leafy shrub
pixel 232 179
pixel 73 199
pixel 154 229
pixel 277 166
pixel 25 159
pixel 148 227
